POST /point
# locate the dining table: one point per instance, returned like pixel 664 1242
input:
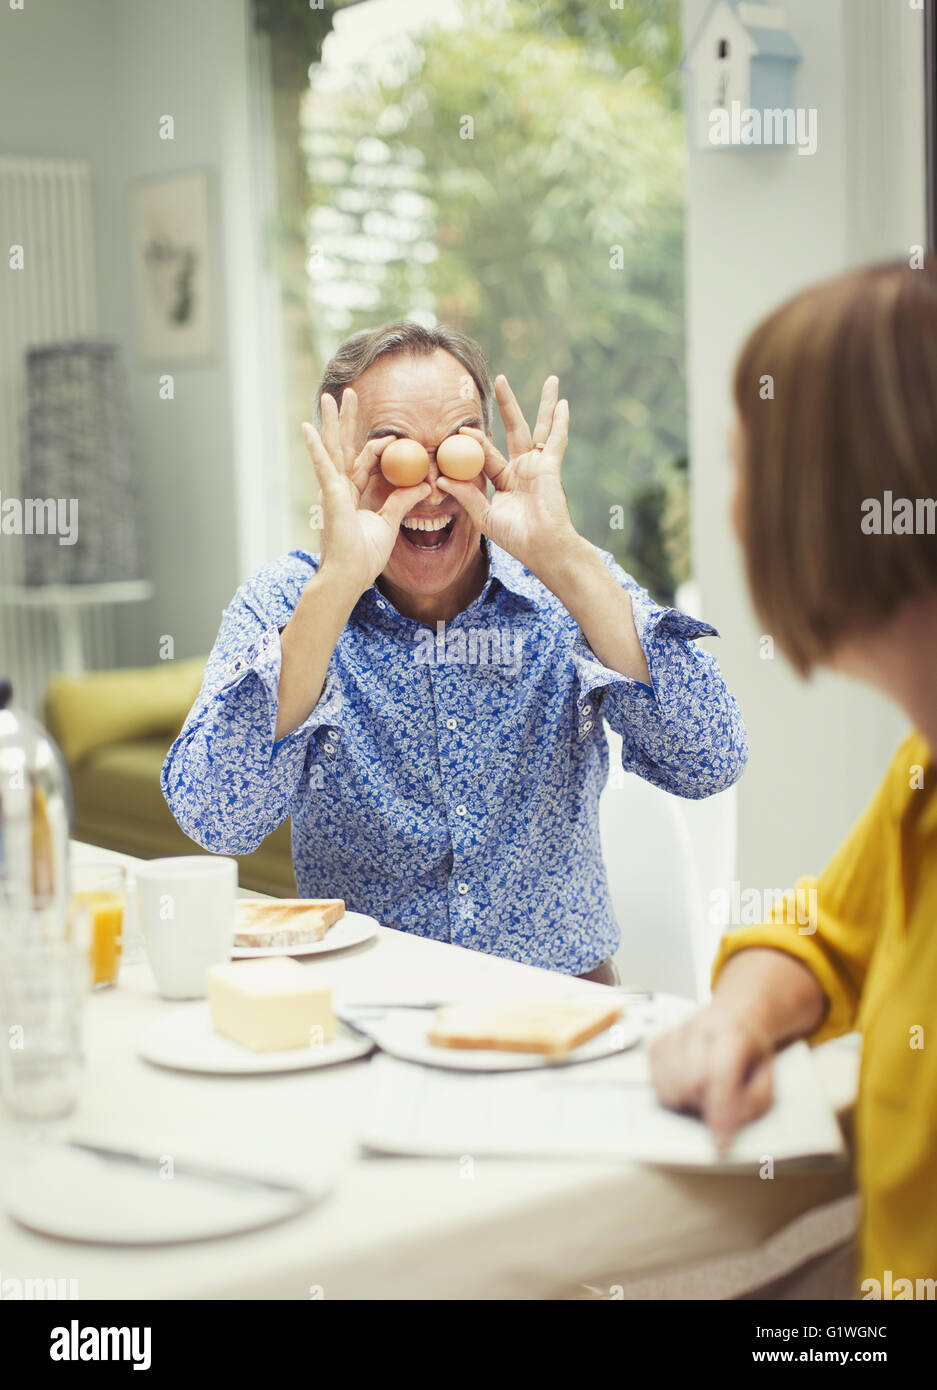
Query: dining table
pixel 395 1227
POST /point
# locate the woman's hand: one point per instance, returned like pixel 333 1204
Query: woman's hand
pixel 717 1065
pixel 527 514
pixel 356 542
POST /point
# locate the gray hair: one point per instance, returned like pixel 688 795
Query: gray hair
pixel 361 350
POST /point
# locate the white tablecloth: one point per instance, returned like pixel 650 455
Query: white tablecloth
pixel 392 1227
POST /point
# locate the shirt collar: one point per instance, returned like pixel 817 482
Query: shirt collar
pixel 503 569
pixel 504 572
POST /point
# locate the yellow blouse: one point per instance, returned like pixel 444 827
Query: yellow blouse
pixel 874 951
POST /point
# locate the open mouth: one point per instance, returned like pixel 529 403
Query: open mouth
pixel 425 533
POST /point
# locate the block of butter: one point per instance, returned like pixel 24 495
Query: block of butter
pixel 270 1004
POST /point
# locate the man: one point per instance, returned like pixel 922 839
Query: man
pixel 425 698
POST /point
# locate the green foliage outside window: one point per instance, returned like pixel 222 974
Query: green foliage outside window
pixel 522 177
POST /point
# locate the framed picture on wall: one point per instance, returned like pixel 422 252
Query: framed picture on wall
pixel 174 290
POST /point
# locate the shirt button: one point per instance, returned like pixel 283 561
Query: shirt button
pixel 452 723
pixel 460 810
pixel 329 747
pixel 587 709
pixel 381 603
pixel 333 734
pixel 587 726
pixel 463 887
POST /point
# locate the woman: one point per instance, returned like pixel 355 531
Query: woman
pixel 835 510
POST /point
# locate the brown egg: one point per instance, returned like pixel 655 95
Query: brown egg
pixel 460 456
pixel 405 463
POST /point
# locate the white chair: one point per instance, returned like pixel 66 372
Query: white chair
pixel 661 863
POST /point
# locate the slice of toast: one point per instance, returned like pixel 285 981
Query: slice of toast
pixel 549 1027
pixel 286 921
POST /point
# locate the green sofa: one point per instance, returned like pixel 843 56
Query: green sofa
pixel 115 729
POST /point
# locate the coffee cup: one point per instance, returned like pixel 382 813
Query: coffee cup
pixel 187 910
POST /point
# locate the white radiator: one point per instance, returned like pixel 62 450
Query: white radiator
pixel 45 207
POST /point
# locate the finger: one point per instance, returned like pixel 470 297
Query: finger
pixel 724 1102
pixel 668 1076
pixel 330 435
pixel 680 1065
pixel 755 1096
pixel 515 425
pixel 472 499
pixel 558 438
pixel 347 423
pixel 496 465
pixel 403 500
pixel 327 475
pixel 368 461
pixel 759 1091
pixel 548 399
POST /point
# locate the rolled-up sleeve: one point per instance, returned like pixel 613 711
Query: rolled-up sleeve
pixel 226 779
pixel 833 923
pixel 684 732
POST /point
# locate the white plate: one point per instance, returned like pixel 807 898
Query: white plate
pixel 63 1192
pixel 349 930
pixel 185 1040
pixel 402 1033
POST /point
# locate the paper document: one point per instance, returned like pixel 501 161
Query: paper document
pixel 605 1109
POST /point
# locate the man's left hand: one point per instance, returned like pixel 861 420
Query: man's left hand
pixel 527 515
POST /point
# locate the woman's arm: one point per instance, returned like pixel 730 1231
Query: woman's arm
pixel 778 994
pixel 800 975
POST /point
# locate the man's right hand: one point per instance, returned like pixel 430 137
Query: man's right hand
pixel 356 542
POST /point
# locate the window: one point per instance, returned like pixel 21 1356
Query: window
pixel 515 170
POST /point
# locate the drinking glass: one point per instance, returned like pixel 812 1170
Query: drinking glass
pixel 98 904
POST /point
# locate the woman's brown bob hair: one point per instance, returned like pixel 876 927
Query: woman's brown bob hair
pixel 837 396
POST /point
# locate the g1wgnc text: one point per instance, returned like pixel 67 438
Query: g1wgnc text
pixel 786 1334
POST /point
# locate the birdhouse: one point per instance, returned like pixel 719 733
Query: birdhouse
pixel 740 70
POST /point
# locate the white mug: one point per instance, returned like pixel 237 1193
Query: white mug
pixel 187 909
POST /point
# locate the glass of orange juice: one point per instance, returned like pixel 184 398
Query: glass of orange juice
pixel 99 898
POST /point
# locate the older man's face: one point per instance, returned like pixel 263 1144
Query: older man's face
pixel 424 398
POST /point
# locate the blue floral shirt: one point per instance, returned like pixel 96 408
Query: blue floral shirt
pixel 447 783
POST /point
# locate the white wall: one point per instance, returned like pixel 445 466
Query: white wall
pixel 198 453
pixel 762 223
pixel 91 79
pixel 54 58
